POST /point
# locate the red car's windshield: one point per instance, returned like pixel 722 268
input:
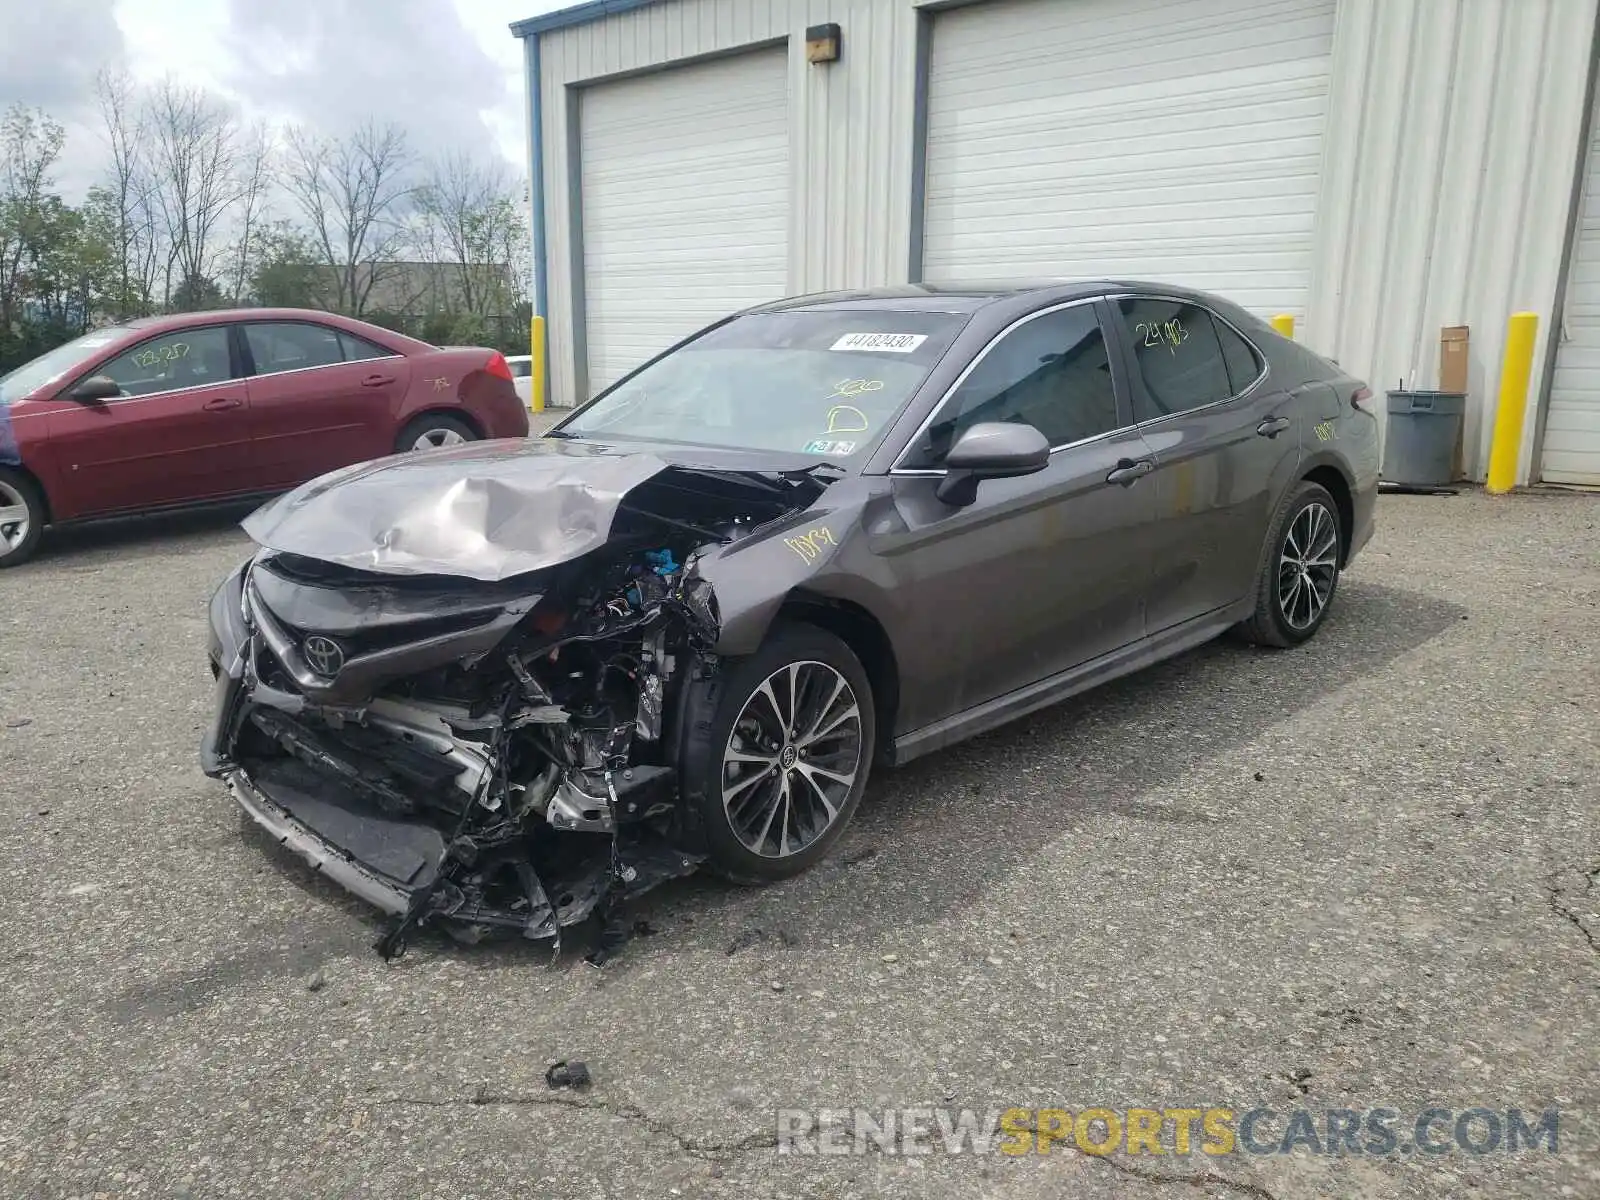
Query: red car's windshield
pixel 53 364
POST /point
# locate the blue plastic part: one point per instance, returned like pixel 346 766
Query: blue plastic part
pixel 10 454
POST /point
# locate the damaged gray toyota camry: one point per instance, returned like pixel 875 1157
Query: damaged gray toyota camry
pixel 503 687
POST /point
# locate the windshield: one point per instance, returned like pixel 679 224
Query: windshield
pixel 53 365
pixel 824 383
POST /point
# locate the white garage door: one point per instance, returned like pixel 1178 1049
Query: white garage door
pixel 1572 426
pixel 685 177
pixel 1172 140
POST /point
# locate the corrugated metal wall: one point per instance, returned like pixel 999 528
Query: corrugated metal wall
pixel 852 141
pixel 1450 155
pixel 1451 151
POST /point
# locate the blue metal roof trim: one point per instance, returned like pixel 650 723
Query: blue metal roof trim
pixel 578 14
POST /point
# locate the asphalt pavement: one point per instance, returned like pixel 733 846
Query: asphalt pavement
pixel 1355 875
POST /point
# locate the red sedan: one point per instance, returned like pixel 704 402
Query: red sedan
pixel 173 411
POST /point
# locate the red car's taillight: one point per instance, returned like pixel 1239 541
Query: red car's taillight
pixel 498 367
pixel 1363 400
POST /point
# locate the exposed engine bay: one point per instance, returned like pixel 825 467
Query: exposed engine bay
pixel 498 757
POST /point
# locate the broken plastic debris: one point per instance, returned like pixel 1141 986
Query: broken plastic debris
pixel 574 1074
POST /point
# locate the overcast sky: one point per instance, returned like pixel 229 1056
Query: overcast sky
pixel 448 71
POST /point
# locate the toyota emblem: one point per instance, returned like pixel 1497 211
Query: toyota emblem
pixel 324 654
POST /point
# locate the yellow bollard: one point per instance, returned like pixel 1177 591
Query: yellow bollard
pixel 1284 324
pixel 1516 369
pixel 536 349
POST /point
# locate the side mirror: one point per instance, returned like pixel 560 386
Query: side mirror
pixel 991 450
pixel 95 390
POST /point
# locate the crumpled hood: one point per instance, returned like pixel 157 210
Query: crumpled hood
pixel 485 510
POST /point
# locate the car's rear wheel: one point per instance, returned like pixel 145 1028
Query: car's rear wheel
pixel 776 772
pixel 22 517
pixel 1299 570
pixel 433 430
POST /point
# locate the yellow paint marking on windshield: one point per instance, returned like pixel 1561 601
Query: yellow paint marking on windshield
pixel 856 387
pixel 810 543
pixel 843 418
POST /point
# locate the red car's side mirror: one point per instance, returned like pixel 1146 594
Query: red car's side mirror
pixel 95 390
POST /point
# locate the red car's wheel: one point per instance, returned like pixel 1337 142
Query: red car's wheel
pixel 432 431
pixel 22 516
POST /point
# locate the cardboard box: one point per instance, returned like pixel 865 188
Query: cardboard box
pixel 1453 359
pixel 1453 347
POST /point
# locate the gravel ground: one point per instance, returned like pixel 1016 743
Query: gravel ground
pixel 1354 875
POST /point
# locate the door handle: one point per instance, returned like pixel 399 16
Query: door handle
pixel 1273 426
pixel 377 380
pixel 222 404
pixel 1128 471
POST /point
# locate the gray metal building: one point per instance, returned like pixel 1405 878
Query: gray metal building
pixel 1377 168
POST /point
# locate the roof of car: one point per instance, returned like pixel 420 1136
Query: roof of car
pixel 168 320
pixel 963 297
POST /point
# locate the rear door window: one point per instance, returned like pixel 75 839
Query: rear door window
pixel 1244 364
pixel 292 346
pixel 1178 356
pixel 358 349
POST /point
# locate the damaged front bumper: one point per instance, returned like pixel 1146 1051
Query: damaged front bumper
pixel 457 686
pixel 580 854
pixel 355 842
pixel 323 856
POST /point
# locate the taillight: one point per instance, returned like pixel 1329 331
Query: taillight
pixel 499 367
pixel 1362 399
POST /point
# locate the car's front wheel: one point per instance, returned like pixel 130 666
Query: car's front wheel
pixel 1299 569
pixel 21 518
pixel 776 764
pixel 433 430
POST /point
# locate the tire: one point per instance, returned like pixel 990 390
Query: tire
pixel 19 537
pixel 1286 613
pixel 733 717
pixel 432 430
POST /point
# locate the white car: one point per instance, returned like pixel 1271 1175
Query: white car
pixel 522 376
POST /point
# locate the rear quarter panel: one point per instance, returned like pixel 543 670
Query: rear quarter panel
pixel 452 379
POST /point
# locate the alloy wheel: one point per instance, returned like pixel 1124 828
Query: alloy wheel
pixel 1308 566
pixel 14 519
pixel 792 759
pixel 433 438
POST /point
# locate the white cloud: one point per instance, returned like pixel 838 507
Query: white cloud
pixel 448 71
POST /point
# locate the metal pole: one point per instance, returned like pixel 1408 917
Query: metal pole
pixel 1516 368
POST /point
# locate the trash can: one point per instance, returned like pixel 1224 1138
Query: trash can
pixel 1419 446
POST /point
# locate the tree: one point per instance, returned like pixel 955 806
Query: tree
pixel 255 178
pixel 351 191
pixel 195 293
pixel 125 198
pixel 30 144
pixel 195 146
pixel 55 260
pixel 470 219
pixel 287 270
